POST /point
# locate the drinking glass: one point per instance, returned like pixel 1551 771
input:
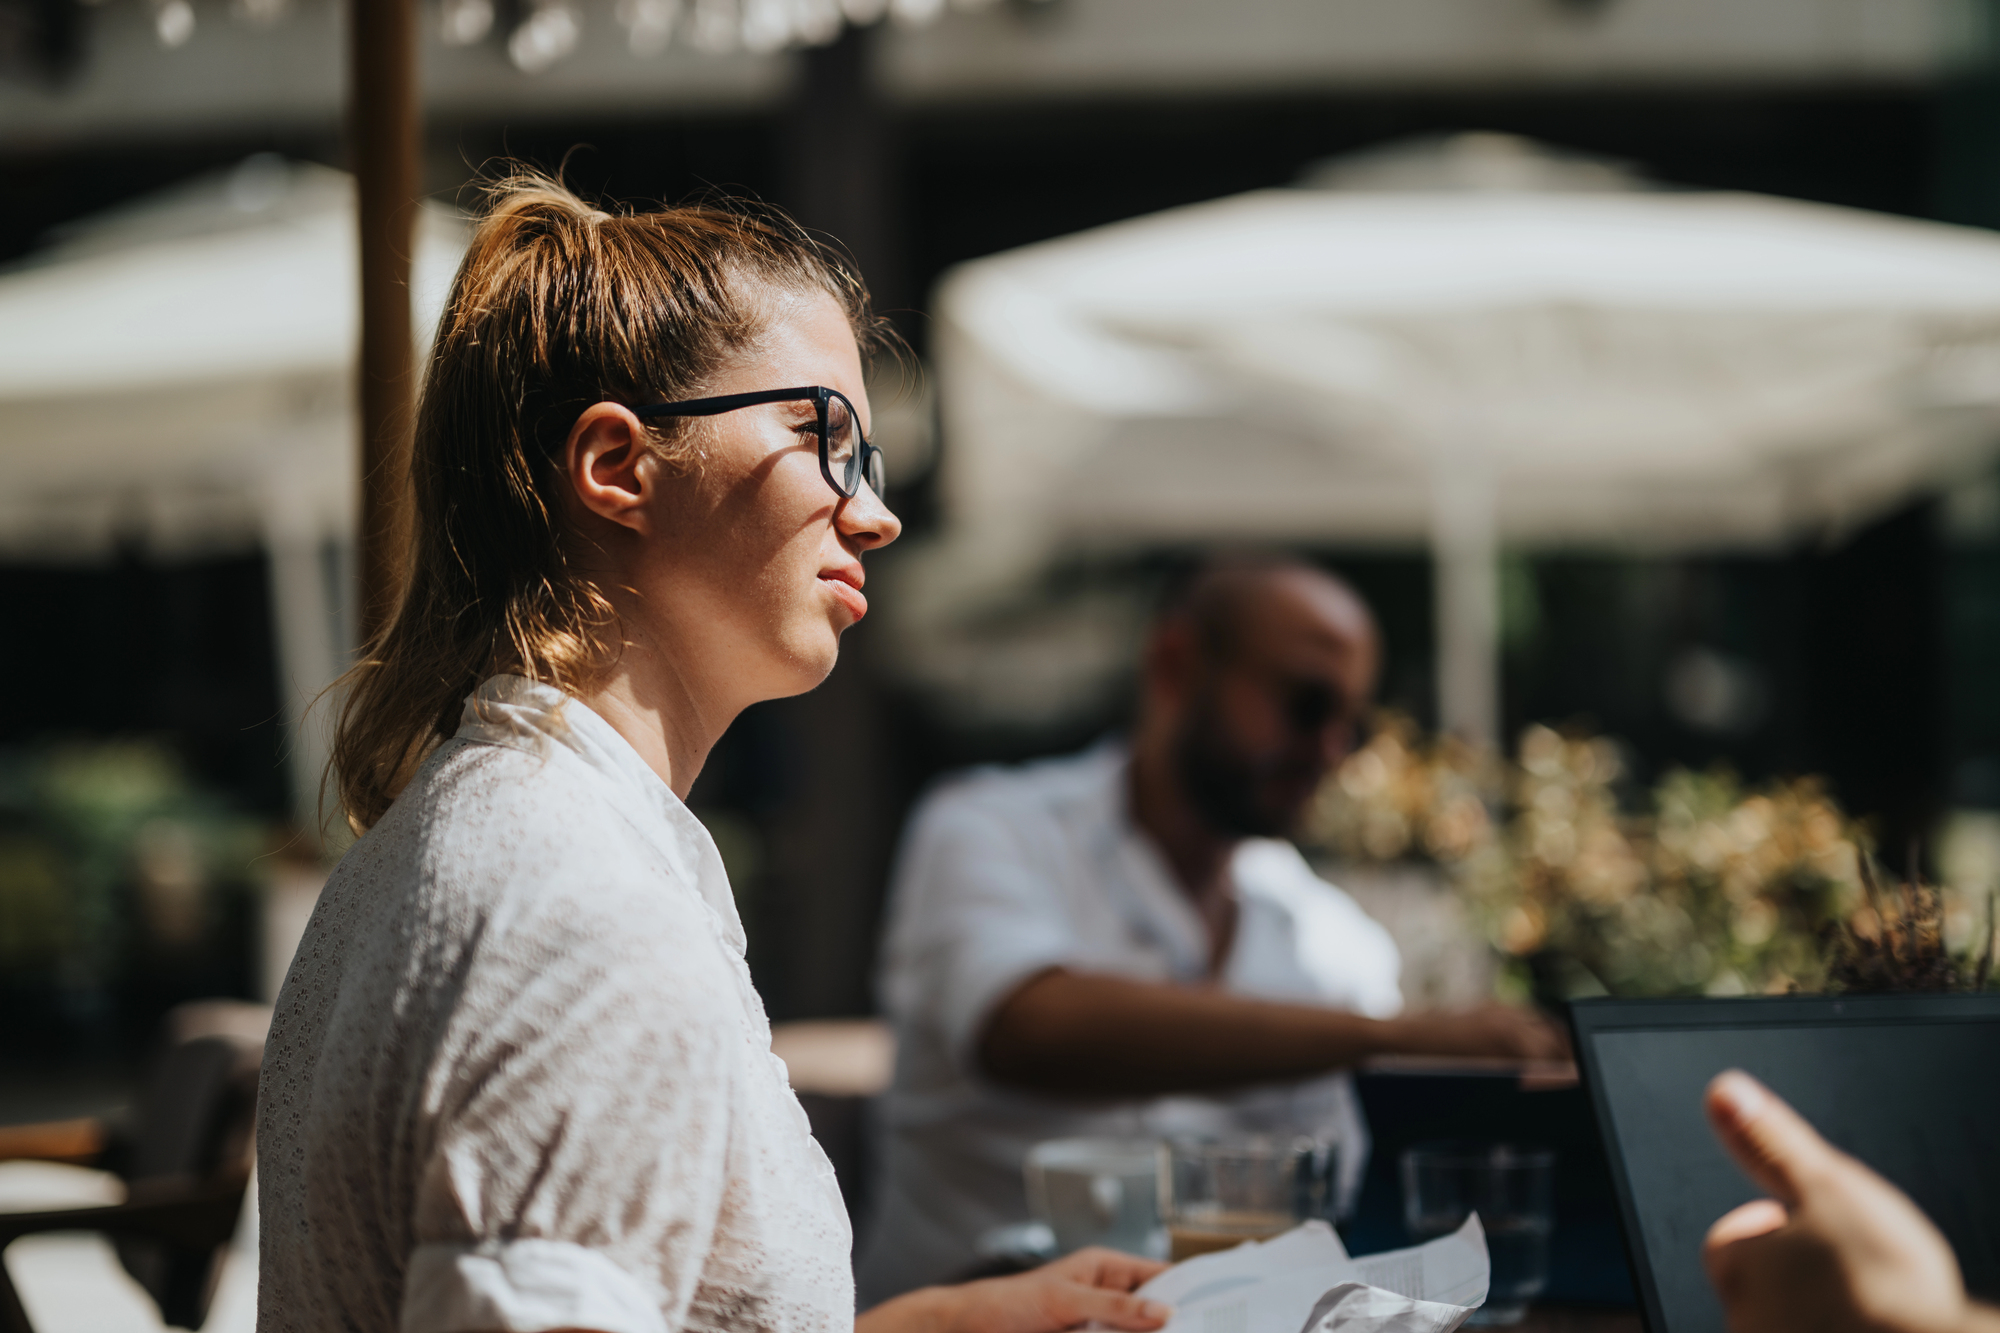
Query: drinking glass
pixel 1217 1193
pixel 1511 1188
pixel 1096 1192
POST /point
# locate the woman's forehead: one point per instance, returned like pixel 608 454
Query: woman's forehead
pixel 811 328
pixel 805 338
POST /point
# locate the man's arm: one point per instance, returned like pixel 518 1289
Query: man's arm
pixel 1087 1033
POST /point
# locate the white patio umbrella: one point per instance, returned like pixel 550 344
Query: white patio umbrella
pixel 179 373
pixel 1669 371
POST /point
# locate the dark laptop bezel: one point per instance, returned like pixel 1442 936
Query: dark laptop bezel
pixel 1591 1017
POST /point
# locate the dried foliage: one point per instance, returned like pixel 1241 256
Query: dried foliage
pixel 1700 886
pixel 1405 796
pixel 1895 943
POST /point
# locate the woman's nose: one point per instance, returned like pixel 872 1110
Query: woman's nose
pixel 866 521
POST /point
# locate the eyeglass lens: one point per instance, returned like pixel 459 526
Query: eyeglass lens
pixel 844 449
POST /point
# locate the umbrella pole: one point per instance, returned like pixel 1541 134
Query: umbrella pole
pixel 383 122
pixel 1465 549
pixel 309 656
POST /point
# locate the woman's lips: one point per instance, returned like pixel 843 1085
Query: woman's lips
pixel 848 595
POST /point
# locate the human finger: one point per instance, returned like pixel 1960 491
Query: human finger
pixel 1558 1032
pixel 1744 1271
pixel 1545 1040
pixel 1770 1141
pixel 1100 1267
pixel 1080 1303
pixel 1520 1033
pixel 1756 1218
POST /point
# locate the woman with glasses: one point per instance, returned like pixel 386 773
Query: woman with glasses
pixel 518 1078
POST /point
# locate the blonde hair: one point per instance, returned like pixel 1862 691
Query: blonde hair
pixel 557 305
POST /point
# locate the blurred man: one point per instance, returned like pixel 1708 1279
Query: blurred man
pixel 1122 944
pixel 1836 1248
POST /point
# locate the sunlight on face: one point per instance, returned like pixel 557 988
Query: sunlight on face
pixel 754 570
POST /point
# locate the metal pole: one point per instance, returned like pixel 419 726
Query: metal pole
pixel 310 655
pixel 1465 546
pixel 383 122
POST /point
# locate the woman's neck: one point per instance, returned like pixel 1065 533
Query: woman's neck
pixel 666 717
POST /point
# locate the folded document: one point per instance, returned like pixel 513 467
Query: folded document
pixel 1305 1282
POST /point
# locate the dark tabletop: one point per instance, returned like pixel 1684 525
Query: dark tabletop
pixel 1580 1319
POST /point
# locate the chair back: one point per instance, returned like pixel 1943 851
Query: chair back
pixel 194 1124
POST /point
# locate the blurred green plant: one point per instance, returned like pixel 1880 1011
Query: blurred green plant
pixel 36 916
pixel 108 850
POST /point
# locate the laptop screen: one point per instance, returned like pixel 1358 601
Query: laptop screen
pixel 1909 1084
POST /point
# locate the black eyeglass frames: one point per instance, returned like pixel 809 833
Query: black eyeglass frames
pixel 846 459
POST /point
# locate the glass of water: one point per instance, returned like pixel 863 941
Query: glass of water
pixel 1096 1192
pixel 1512 1189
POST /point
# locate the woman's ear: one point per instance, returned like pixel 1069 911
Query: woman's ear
pixel 610 469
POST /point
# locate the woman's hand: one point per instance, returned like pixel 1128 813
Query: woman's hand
pixel 1091 1285
pixel 1836 1249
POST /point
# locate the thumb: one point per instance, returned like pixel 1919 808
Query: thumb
pixel 1759 1217
pixel 1770 1141
pixel 1739 1249
pixel 1083 1304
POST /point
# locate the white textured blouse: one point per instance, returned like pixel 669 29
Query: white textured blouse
pixel 519 1079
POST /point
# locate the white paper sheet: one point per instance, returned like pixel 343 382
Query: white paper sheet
pixel 1358 1307
pixel 1453 1269
pixel 1305 1282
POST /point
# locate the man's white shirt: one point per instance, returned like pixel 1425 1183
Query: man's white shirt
pixel 1005 873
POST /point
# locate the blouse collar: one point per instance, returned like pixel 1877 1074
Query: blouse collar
pixel 537 718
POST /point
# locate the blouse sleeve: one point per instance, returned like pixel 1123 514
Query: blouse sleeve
pixel 577 1118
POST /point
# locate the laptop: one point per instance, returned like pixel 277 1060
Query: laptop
pixel 1910 1084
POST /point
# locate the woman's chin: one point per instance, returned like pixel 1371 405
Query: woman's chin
pixel 808 662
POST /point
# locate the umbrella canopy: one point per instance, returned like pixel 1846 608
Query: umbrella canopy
pixel 1667 370
pixel 180 373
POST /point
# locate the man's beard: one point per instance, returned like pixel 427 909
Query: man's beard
pixel 1221 782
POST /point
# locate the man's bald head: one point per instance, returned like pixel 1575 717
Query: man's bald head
pixel 1257 673
pixel 1230 602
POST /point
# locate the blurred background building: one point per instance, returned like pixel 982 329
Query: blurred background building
pixel 154 641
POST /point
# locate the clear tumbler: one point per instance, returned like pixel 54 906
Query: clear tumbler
pixel 1096 1192
pixel 1512 1189
pixel 1217 1193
